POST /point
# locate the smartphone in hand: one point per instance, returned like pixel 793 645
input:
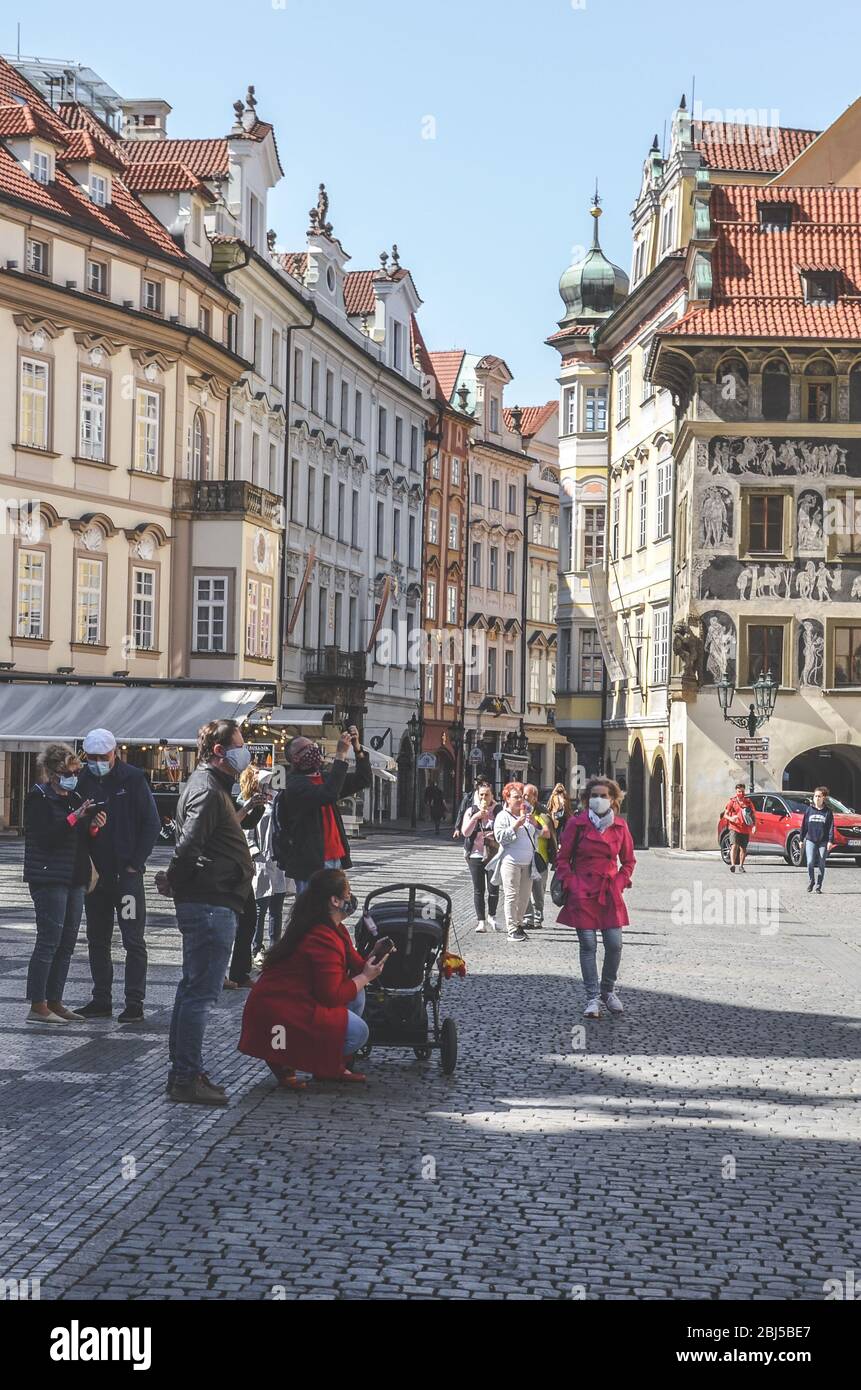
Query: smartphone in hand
pixel 382 948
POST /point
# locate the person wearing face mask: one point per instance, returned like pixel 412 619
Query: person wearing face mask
pixel 59 827
pixel 595 865
pixel 309 832
pixel 514 865
pixel 305 1011
pixel 119 853
pixel 817 836
pixel 209 879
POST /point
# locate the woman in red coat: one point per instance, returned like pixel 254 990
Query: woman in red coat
pixel 305 1010
pixel 595 865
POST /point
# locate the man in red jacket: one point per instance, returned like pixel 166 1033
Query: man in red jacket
pixel 740 816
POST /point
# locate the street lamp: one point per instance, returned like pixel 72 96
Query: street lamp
pixel 456 735
pixel 759 712
pixel 414 729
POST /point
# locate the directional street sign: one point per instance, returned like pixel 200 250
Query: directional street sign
pixel 747 748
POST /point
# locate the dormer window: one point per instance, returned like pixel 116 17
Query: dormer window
pixel 99 190
pixel 41 166
pixel 820 286
pixel 397 342
pixel 775 217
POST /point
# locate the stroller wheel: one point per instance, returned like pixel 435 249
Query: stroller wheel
pixel 448 1046
pixel 423 1053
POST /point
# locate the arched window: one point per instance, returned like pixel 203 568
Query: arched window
pixel 819 390
pixel 855 392
pixel 732 383
pixel 775 390
pixel 199 459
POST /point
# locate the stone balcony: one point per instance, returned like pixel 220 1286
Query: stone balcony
pixel 227 497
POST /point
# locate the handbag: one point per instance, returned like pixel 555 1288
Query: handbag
pixel 557 887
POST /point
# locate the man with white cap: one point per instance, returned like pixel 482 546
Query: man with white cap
pixel 132 823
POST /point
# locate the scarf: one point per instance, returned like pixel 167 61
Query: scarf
pixel 333 844
pixel 602 823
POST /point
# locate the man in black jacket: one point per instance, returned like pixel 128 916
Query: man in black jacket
pixel 308 826
pixel 209 879
pixel 119 853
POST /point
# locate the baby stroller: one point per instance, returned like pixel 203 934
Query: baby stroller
pixel 397 1002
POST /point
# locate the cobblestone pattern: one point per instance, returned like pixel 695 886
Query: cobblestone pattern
pixel 550 1165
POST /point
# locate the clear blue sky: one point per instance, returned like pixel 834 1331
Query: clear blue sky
pixel 531 99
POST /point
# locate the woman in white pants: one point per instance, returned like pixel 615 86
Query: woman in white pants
pixel 514 865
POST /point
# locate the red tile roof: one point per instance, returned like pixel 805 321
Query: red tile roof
pixel 359 297
pixel 23 119
pixel 577 330
pixel 295 263
pixel 447 367
pixel 165 176
pixel 206 158
pixel 79 117
pixel 83 145
pixel 533 417
pixel 757 289
pixel 760 149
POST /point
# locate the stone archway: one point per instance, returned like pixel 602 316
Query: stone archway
pixel 658 803
pixel 836 766
pixel 634 806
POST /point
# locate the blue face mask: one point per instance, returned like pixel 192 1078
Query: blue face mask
pixel 68 783
pixel 238 758
pixel 101 769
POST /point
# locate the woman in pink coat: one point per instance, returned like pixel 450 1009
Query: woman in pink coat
pixel 595 864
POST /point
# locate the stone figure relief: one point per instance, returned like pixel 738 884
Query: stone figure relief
pixel 811 652
pixel 723 577
pixel 716 516
pixel 719 645
pixel 755 455
pixel 817 581
pixel 810 533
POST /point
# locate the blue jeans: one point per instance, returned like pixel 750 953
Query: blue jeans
pixel 816 855
pixel 589 959
pixel 302 883
pixel 357 1028
pixel 58 917
pixel 207 939
pixel 274 904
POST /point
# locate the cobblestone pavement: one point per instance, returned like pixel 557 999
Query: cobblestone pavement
pixel 703 1146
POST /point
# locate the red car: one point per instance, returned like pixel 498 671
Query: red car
pixel 778 826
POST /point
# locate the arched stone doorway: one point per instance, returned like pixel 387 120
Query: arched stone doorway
pixel 658 803
pixel 634 806
pixel 676 795
pixel 833 765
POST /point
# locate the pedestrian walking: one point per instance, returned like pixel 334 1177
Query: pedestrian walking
pixel 305 1011
pixel 309 833
pixel 514 865
pixel 595 865
pixel 560 810
pixel 119 852
pixel 817 834
pixel 209 879
pixel 545 848
pixel 435 804
pixel 271 885
pixel 481 846
pixel 469 801
pixel 740 816
pixel 58 828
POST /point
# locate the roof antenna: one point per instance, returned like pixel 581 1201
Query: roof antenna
pixel 664 142
pixel 693 104
pixel 19 42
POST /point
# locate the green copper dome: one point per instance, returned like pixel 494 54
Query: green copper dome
pixel 592 288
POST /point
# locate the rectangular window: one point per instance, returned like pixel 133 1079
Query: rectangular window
pixel 37 257
pixel 399 439
pixel 411 545
pixel 535 596
pixel 381 528
pixel 508 672
pixel 252 618
pixel 41 167
pixel 315 386
pixel 765 524
pixel 414 446
pixel 255 458
pixel 275 357
pixel 624 393
pixel 493 581
pixel 433 525
pixel 494 494
pixel 151 296
pixel 322 617
pixel 552 595
pixel 491 670
pixel 273 470
pixel 847 653
pixel 569 410
pixel 254 220
pixel 454 531
pixel 147 422
pixel 430 683
pixel 818 400
pixel 327 498
pixel 257 344
pixel 265 648
pixel 662 499
pixel 554 533
pixel 629 520
pixel 353 619
pixel 477 488
pixel 291 638
pixel 430 599
pixel 436 466
pixel 509 571
pixel 643 508
pixel 294 490
pixel 494 415
pixel 512 498
pixel 451 604
pixel 311 508
pixel 596 409
pixel 93 405
pixel 614 544
pixel 358 425
pixel 299 376
pixel 354 518
pixel 476 563
pixel 30 621
pixel 396 533
pixel 143 609
pixel 97 277
pixel 337 620
pixel 33 428
pixel 537 530
pixel 764 651
pixel 99 190
pixel 342 497
pixel 455 471
pixel 330 397
pixel 237 449
pixel 210 613
pixel 88 602
pixel 397 342
pixel 535 680
pixel 448 689
pixel 660 645
pixel 382 429
pixel 345 406
pixel 666 229
pixel 591 660
pixel 204 319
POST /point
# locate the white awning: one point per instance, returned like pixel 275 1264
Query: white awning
pixel 309 717
pixel 32 713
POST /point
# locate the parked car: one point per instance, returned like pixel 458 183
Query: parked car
pixel 778 827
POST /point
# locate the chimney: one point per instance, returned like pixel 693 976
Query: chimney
pixel 145 120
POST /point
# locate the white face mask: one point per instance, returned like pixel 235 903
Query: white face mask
pixel 599 804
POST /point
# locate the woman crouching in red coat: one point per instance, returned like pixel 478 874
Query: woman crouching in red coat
pixel 305 1010
pixel 595 864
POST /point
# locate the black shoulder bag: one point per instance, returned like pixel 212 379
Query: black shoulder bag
pixel 557 887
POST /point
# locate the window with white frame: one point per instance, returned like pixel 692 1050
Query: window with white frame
pixel 591 660
pixel 93 407
pixel 455 470
pixel 399 439
pixel 551 678
pixel 666 228
pixel 204 319
pixel 512 498
pixel 660 645
pixel 330 397
pixel 397 344
pixel 147 421
pixel 88 601
pixel 552 597
pixel 381 528
pixel 325 518
pixel 97 277
pixel 508 672
pixel 299 376
pixel 37 256
pixel 430 683
pixel 430 599
pixel 396 533
pixel 30 617
pixel 535 605
pixel 382 430
pixel 143 608
pixel 494 415
pixel 255 458
pixel 554 533
pixel 493 580
pixel 614 534
pixel 639 260
pixel 258 618
pixel 537 530
pixel 569 410
pixel 411 541
pixel 345 406
pixel 315 386
pixel 494 494
pixel 273 470
pixel 433 525
pixel 33 422
pixel 237 448
pixel 311 510
pixel 354 517
pixel 151 296
pixel 593 533
pixel 210 612
pixel 358 425
pixel 535 680
pixel 643 510
pixel 275 357
pixel 99 190
pixel 595 421
pixel 414 446
pixel 448 687
pixel 639 642
pixel 492 657
pixel 266 594
pixel 509 571
pixel 451 603
pixel 477 488
pixel 453 531
pixel 624 392
pixel 476 563
pixel 40 166
pixel 662 500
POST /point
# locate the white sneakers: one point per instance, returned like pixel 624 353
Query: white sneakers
pixel 482 926
pixel 612 1003
pixel 488 925
pixel 592 1009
